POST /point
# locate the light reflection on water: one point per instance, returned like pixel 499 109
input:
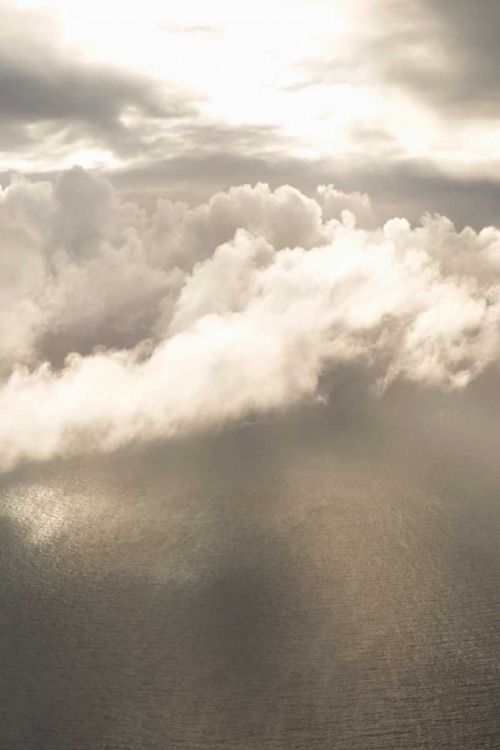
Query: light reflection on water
pixel 249 594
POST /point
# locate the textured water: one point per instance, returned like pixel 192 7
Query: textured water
pixel 256 590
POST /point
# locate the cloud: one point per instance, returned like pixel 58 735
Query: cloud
pixel 441 52
pixel 54 102
pixel 120 325
pixel 467 86
pixel 400 186
pixel 190 29
pixel 49 94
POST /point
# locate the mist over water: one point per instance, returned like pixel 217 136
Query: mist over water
pixel 312 582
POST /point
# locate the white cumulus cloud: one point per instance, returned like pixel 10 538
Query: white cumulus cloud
pixel 119 325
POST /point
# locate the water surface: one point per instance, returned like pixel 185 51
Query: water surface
pixel 271 587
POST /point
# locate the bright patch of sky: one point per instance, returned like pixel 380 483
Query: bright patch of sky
pixel 309 68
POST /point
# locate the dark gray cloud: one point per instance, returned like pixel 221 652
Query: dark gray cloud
pixel 47 92
pixel 397 187
pixel 468 33
pixel 202 139
pixel 444 52
pixel 50 96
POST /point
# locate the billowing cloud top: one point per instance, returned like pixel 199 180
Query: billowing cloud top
pixel 149 296
pixel 119 324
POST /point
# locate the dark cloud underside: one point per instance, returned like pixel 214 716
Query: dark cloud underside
pixel 405 187
pixel 47 92
pixel 446 52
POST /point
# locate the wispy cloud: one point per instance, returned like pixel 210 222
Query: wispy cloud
pixel 190 29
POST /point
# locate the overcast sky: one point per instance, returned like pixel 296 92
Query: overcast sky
pixel 208 210
pixel 397 97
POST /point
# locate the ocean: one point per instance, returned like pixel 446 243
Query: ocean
pixel 284 584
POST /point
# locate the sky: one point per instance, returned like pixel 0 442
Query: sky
pixel 210 210
pixel 395 97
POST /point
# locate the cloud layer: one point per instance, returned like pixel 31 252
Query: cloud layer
pixel 119 325
pixel 51 95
